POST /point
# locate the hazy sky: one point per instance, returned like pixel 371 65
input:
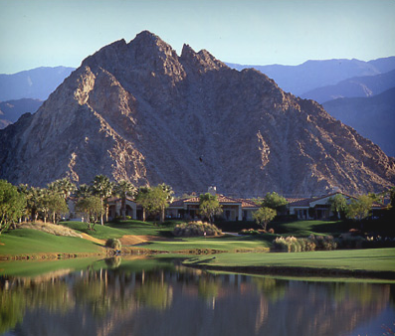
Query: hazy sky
pixel 63 32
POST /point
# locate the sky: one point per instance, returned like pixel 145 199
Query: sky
pixel 38 33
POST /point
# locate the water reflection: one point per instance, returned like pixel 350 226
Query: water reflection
pixel 159 297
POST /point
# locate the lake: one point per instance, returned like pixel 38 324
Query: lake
pixel 158 296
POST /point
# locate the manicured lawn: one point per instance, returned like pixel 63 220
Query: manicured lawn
pixel 117 230
pixel 369 259
pixel 226 244
pixel 306 228
pixel 26 242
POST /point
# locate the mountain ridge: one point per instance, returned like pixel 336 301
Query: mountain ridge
pixel 138 111
pixel 373 117
pixel 310 75
pixel 36 83
pixel 365 86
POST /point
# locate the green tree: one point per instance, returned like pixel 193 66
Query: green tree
pixel 83 191
pixel 52 204
pixel 123 189
pixel 63 186
pixel 359 208
pixel 274 201
pixel 34 199
pixel 142 198
pixel 12 205
pixel 264 216
pixel 157 201
pixel 102 187
pixel 57 206
pixel 209 206
pixel 338 204
pixel 92 206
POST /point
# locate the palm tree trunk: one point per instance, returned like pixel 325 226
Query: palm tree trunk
pixel 123 208
pixel 162 215
pixel 101 214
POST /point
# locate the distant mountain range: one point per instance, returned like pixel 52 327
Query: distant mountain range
pixel 37 83
pixel 311 75
pixel 372 117
pixel 366 86
pixel 11 110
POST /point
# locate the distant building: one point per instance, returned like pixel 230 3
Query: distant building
pixel 232 209
pixel 319 207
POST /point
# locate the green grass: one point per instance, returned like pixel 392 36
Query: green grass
pixel 308 227
pixel 26 241
pixel 117 230
pixel 225 243
pixel 370 260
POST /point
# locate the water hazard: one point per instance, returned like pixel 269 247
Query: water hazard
pixel 161 297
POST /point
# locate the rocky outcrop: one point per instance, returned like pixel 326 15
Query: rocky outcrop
pixel 140 112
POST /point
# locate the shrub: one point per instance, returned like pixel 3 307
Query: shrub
pixel 113 243
pixel 249 232
pixel 326 243
pixel 195 229
pixel 350 240
pixel 292 244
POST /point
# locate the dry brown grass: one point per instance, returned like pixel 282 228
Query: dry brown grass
pixel 57 230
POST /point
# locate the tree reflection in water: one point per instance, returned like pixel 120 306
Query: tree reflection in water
pixel 153 297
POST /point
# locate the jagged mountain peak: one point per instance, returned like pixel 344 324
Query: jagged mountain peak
pixel 140 112
pixel 202 59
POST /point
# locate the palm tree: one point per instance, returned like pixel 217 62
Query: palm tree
pixel 34 199
pixel 123 189
pixel 142 198
pixel 83 191
pixel 64 186
pixel 103 188
pixel 168 190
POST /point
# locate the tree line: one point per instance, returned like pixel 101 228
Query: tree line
pixel 24 203
pixel 50 204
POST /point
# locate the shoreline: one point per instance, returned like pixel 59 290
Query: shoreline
pixel 290 271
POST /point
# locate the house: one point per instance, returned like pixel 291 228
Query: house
pixel 320 207
pixel 115 204
pixel 314 208
pixel 232 209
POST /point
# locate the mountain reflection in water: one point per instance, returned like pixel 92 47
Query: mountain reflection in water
pixel 163 298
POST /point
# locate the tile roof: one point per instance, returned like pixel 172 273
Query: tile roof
pixel 221 198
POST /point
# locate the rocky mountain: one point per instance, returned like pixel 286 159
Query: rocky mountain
pixel 11 110
pixel 311 75
pixel 140 112
pixel 372 117
pixel 366 86
pixel 36 84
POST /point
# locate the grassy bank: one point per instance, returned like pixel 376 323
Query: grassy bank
pixel 26 243
pixel 118 230
pixel 31 244
pixel 373 261
pixel 219 244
